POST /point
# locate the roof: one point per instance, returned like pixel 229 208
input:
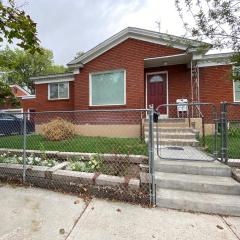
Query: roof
pixel 23 91
pixel 140 34
pixel 53 78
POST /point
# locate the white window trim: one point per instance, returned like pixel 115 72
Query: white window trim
pixel 58 91
pixel 90 88
pixel 234 93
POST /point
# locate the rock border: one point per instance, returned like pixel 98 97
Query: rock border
pixel 136 159
pixel 97 184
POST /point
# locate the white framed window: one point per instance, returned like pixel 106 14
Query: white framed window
pixel 236 91
pixel 58 90
pixel 107 88
pixel 236 84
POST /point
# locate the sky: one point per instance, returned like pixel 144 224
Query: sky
pixel 69 26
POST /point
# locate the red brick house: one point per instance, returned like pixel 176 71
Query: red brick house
pixel 133 69
pixel 19 93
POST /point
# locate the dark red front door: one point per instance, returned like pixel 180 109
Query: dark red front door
pixel 157 90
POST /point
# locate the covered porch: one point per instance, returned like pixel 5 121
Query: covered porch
pixel 170 78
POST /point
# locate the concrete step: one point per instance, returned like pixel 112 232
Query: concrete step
pixel 170 135
pixel 199 202
pixel 172 129
pixel 175 142
pixel 196 168
pixel 182 125
pixel 170 120
pixel 197 183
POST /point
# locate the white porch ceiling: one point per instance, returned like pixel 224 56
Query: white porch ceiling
pixel 168 60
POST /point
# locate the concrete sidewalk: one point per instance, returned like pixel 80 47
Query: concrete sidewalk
pixel 31 213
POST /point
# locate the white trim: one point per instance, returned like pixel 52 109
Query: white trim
pixel 54 99
pixel 54 80
pixel 146 82
pixel 110 71
pixel 212 64
pixel 20 88
pixel 28 97
pixel 135 33
pixel 9 110
pixel 214 60
pixel 51 76
pixel 234 94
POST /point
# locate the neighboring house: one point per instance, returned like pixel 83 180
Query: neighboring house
pixel 135 68
pixel 19 93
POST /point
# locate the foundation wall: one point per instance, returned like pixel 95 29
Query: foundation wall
pixel 114 130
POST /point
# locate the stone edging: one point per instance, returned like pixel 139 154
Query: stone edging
pixel 136 159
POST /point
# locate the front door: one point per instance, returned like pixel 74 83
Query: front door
pixel 157 90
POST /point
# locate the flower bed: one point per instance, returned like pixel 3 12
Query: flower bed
pixel 89 175
pixel 30 160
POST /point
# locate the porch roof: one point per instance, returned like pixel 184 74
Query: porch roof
pixel 184 58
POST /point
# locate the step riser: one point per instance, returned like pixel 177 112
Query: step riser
pixel 198 187
pixel 171 130
pixel 177 136
pixel 171 120
pixel 193 170
pixel 199 207
pixel 170 125
pixel 174 144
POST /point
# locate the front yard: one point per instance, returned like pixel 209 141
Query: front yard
pixel 233 145
pixel 78 144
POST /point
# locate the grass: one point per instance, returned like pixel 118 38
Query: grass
pixel 233 145
pixel 78 144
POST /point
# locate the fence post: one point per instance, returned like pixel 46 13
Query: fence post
pixel 24 146
pixel 151 157
pixel 224 129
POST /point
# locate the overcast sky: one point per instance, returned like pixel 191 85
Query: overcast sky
pixel 69 26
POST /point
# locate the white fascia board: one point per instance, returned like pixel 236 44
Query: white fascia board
pixel 54 80
pixel 52 76
pixel 29 97
pixel 135 33
pixel 214 60
pixel 20 88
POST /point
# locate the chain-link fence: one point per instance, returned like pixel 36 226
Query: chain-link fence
pixel 187 131
pixel 96 152
pixel 230 132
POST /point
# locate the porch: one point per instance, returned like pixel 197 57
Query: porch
pixel 170 78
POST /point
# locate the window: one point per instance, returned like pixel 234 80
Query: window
pixel 58 90
pixel 236 89
pixel 108 88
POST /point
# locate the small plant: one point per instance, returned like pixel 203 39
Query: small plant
pixel 57 130
pixel 94 164
pixel 30 160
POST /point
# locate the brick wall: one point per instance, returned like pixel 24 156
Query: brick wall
pixel 216 84
pixel 41 102
pixel 127 55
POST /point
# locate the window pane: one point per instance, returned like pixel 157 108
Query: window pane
pixel 53 90
pixel 237 90
pixel 63 90
pixel 108 88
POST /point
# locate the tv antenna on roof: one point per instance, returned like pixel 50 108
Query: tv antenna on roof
pixel 158 24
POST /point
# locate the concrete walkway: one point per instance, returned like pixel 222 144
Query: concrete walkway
pixel 30 213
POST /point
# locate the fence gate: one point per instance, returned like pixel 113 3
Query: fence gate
pixel 189 131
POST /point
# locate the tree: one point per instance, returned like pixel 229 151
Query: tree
pixel 20 65
pixel 215 20
pixel 79 54
pixel 6 96
pixel 16 24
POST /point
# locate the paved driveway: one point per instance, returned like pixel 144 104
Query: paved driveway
pixel 31 213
